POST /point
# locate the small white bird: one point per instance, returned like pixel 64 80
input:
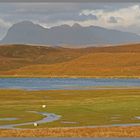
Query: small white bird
pixel 43 106
pixel 35 124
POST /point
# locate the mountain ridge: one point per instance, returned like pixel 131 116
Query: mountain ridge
pixel 26 32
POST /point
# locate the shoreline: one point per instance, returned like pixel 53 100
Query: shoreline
pixel 48 117
pixel 70 77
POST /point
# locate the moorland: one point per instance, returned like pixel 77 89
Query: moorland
pixel 84 113
pixel 88 113
pixel 46 61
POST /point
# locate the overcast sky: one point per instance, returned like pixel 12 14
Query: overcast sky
pixel 121 16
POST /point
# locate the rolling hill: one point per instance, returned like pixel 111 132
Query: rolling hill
pixel 41 61
pixel 16 56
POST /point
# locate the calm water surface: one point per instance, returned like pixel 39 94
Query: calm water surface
pixel 65 83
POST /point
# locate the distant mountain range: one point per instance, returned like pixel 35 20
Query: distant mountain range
pixel 27 32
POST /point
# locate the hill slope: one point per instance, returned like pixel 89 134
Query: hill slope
pixel 16 56
pixel 118 61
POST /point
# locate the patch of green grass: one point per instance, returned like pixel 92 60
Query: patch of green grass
pixel 85 107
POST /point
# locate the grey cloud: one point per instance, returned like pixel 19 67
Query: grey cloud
pixel 90 16
pixel 53 12
pixel 15 11
pixel 71 16
pixel 53 8
pixel 113 20
pixel 46 12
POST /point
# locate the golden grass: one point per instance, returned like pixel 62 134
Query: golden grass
pixel 89 108
pixel 74 132
pixel 16 56
pixel 40 61
pixel 90 65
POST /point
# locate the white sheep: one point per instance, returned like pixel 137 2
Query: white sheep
pixel 43 106
pixel 35 124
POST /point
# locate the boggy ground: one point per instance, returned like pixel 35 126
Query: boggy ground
pixel 78 108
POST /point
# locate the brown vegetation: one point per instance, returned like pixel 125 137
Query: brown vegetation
pixel 40 61
pixel 74 132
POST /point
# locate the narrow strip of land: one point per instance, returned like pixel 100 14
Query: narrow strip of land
pixel 74 132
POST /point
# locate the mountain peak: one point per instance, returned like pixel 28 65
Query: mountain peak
pixel 24 23
pixel 65 26
pixel 76 25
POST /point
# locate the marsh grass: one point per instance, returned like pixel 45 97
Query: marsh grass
pixel 86 108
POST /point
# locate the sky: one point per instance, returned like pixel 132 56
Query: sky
pixel 120 16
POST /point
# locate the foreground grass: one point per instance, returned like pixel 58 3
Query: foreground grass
pixel 74 132
pixel 84 108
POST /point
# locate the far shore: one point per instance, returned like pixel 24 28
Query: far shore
pixel 67 76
